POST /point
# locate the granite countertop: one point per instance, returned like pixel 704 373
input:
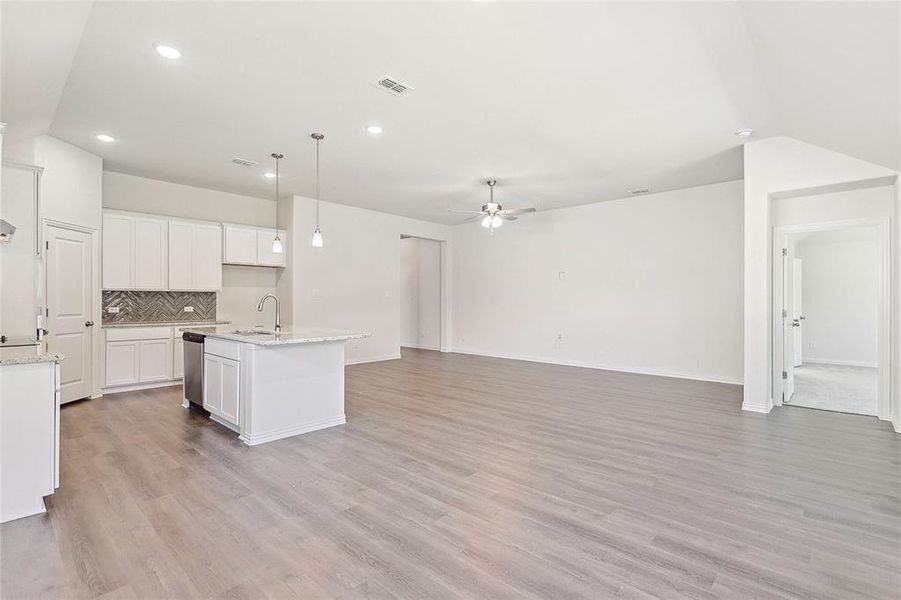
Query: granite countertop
pixel 287 336
pixel 164 324
pixel 26 355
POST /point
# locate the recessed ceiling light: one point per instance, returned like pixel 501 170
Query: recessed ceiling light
pixel 743 133
pixel 105 138
pixel 269 175
pixel 167 51
pixel 374 129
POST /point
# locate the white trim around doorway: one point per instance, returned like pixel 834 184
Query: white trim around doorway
pixel 885 393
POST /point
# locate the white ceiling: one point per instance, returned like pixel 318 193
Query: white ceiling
pixel 565 104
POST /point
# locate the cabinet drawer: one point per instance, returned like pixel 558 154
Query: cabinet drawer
pixel 115 334
pixel 223 348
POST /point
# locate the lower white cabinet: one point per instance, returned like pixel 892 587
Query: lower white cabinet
pixel 221 387
pixel 142 355
pixel 154 360
pixel 122 363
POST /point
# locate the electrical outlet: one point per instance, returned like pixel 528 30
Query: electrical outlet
pixel 189 309
pixel 316 293
pixel 113 310
pixel 561 275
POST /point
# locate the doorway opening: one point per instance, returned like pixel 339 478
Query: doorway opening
pixel 421 297
pixel 832 340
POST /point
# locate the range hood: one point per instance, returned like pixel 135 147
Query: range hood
pixel 7 230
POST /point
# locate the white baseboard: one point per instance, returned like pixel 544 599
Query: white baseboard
pixel 140 386
pixel 361 361
pixel 758 408
pixel 843 363
pixel 278 434
pixel 421 347
pixel 586 365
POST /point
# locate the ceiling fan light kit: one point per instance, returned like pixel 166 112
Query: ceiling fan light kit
pixel 493 215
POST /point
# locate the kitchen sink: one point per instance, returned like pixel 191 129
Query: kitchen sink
pixel 252 332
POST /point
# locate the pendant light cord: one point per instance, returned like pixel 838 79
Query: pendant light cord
pixel 317 183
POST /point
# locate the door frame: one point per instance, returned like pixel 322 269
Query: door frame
pixel 444 279
pixel 96 309
pixel 885 397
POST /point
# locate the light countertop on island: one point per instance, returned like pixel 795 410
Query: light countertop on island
pixel 287 336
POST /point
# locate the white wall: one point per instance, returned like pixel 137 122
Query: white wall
pixel 775 166
pixel 353 281
pixel 19 283
pixel 649 284
pixel 242 287
pixel 840 296
pixel 420 293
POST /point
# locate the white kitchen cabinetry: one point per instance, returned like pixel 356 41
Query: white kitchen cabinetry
pixel 134 252
pixel 155 360
pixel 245 245
pixel 221 387
pixel 140 355
pixel 195 256
pixel 118 250
pixel 145 252
pixel 149 258
pixel 121 363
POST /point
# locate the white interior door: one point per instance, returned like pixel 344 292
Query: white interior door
pixel 797 314
pixel 788 333
pixel 69 305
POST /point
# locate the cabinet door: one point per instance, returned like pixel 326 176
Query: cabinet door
pixel 212 384
pixel 265 255
pixel 154 360
pixel 240 244
pixel 181 255
pixel 118 252
pixel 150 260
pixel 121 363
pixel 178 359
pixel 231 390
pixel 207 257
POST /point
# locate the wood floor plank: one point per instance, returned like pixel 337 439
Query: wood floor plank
pixel 467 477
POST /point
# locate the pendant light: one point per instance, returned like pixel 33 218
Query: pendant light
pixel 277 242
pixel 317 235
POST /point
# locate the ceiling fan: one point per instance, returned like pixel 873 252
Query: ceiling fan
pixel 493 214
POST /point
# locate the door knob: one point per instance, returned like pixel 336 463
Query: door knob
pixel 796 323
pixel 89 323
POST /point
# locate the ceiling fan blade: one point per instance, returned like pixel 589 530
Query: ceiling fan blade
pixel 478 217
pixel 465 212
pixel 516 211
pixel 507 217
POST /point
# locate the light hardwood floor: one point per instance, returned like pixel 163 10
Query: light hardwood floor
pixel 468 477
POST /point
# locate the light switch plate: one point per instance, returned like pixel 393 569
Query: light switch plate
pixel 113 310
pixel 189 309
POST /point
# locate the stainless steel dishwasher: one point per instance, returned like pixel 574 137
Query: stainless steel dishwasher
pixel 193 382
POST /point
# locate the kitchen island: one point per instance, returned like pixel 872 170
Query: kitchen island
pixel 267 386
pixel 29 428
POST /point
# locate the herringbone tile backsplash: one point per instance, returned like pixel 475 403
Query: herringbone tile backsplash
pixel 150 307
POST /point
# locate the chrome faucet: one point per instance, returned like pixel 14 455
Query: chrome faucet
pixel 278 311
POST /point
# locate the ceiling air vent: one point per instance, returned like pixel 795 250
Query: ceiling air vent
pixel 637 191
pixel 390 84
pixel 244 162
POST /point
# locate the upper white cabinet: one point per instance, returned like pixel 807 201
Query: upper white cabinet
pixel 150 250
pixel 118 251
pixel 245 245
pixel 134 252
pixel 195 256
